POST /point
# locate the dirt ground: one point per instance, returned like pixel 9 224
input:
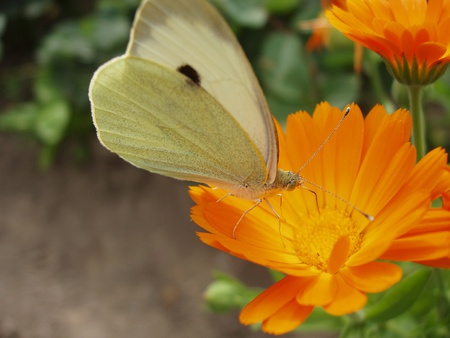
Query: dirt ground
pixel 104 251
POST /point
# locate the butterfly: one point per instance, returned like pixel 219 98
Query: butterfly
pixel 184 102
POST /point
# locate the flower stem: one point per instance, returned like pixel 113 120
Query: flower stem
pixel 444 302
pixel 377 84
pixel 416 109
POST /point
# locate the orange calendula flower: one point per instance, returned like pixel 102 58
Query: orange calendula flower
pixel 320 26
pixel 328 249
pixel 411 35
pixel 321 31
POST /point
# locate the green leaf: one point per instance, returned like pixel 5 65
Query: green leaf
pixel 283 70
pixel 227 293
pixel 67 41
pixel 353 330
pixel 20 118
pixel 248 13
pixel 281 6
pixel 45 89
pixel 51 122
pixel 276 275
pixel 340 89
pixel 399 298
pixel 321 321
pixel 110 30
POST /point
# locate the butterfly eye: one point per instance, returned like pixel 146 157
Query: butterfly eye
pixel 190 73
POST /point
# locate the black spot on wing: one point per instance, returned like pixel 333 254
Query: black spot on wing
pixel 190 72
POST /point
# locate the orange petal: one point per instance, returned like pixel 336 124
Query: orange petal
pixel 272 300
pixel 319 291
pixel 281 260
pixel 339 161
pixel 385 141
pixel 287 318
pixel 443 263
pixel 299 141
pixel 436 219
pixel 339 254
pixel 429 246
pixel 428 171
pixel 383 230
pixel 372 277
pixel 347 299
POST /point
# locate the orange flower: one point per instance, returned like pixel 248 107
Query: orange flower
pixel 321 31
pixel 428 242
pixel 328 249
pixel 320 26
pixel 411 35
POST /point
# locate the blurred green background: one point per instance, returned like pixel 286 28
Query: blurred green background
pixel 50 48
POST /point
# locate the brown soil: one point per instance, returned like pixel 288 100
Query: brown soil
pixel 104 251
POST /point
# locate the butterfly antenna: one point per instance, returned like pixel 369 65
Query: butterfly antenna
pixel 347 111
pixel 366 215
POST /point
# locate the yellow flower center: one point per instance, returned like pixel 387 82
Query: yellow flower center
pixel 326 239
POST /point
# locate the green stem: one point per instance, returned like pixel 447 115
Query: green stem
pixel 377 84
pixel 444 304
pixel 415 107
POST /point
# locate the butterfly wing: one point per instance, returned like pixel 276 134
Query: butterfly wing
pixel 160 120
pixel 191 32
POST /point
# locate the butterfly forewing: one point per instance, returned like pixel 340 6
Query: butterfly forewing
pixel 191 32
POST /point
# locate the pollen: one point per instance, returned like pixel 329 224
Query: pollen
pixel 321 237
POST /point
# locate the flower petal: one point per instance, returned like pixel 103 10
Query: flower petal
pixel 372 277
pixel 287 318
pixel 409 35
pixel 422 247
pixel 272 300
pixel 347 300
pixel 382 231
pixel 319 291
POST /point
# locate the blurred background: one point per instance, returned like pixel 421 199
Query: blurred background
pixel 93 247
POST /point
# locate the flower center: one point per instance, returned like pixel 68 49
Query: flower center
pixel 326 239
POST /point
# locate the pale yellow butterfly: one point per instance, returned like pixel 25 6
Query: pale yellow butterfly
pixel 184 102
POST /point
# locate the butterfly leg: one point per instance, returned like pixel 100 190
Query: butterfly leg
pixel 277 216
pixel 315 196
pixel 223 197
pixel 258 202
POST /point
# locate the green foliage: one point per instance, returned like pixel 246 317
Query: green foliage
pixel 46 98
pixel 399 298
pixel 418 306
pixel 227 293
pixel 250 13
